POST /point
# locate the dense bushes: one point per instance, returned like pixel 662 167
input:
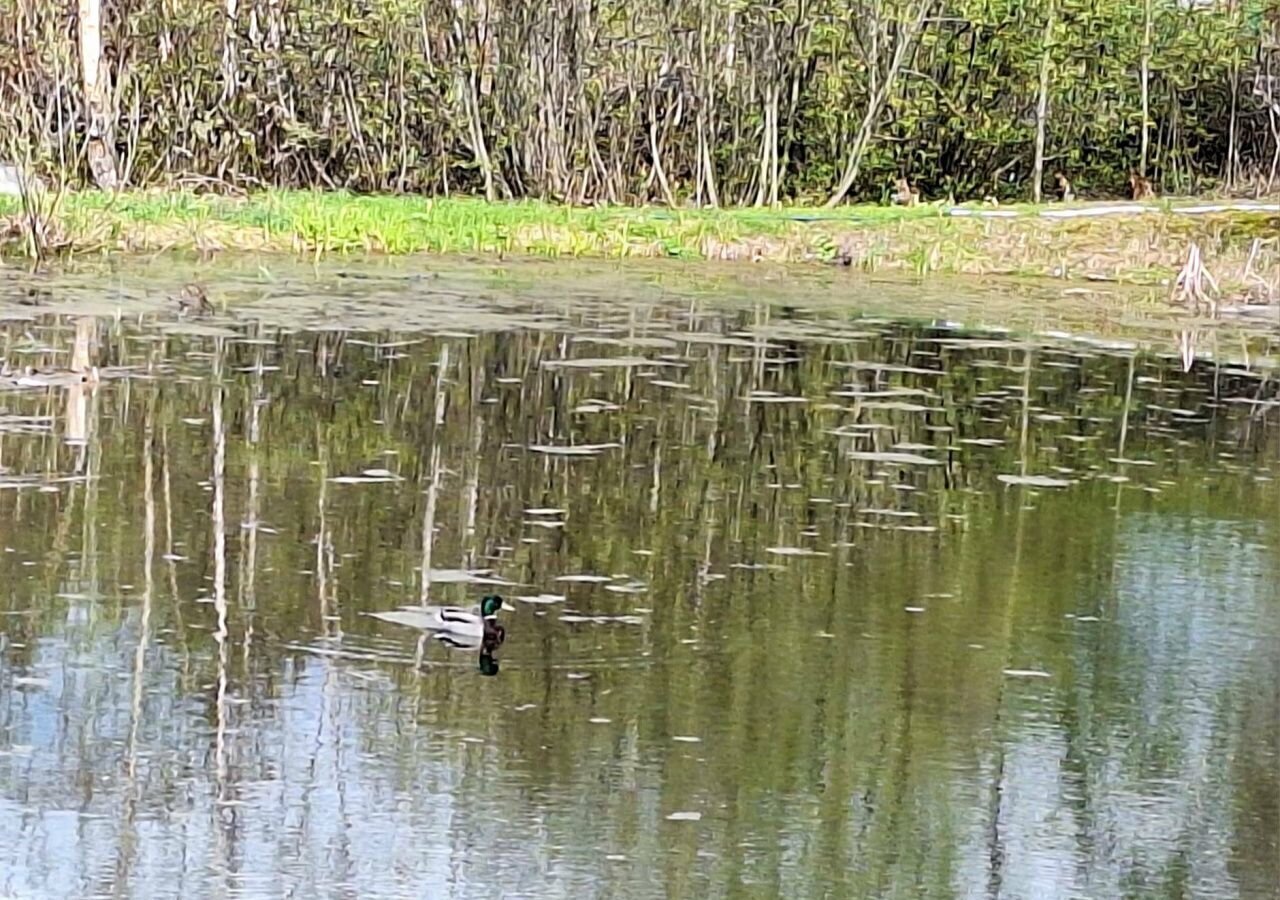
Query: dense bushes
pixel 729 101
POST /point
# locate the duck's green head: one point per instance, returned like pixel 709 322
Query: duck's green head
pixel 490 605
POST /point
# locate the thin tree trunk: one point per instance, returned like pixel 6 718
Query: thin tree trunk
pixel 1146 87
pixel 1232 149
pixel 766 138
pixel 708 165
pixel 1042 104
pixel 478 146
pixel 230 67
pixel 774 139
pixel 655 147
pixel 102 160
pixel 876 103
pixel 1274 119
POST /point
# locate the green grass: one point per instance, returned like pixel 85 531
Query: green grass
pixel 919 239
pixel 339 222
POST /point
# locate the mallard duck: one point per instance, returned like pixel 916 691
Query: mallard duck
pixel 474 627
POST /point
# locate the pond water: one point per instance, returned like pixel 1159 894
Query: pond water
pixel 801 601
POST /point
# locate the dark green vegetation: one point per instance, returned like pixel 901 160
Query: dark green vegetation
pixel 802 624
pixel 651 101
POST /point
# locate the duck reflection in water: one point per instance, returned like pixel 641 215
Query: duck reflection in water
pixel 488 644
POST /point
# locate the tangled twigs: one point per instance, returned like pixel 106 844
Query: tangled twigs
pixel 1195 285
pixel 1257 288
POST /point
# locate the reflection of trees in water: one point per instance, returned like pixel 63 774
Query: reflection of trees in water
pixel 1141 794
pixel 860 762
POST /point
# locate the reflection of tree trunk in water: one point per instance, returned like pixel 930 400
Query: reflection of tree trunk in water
pixel 897 783
pixel 331 628
pixel 761 318
pixel 83 351
pixel 433 490
pixel 249 528
pixel 996 851
pixel 655 488
pixel 1025 426
pixel 220 634
pixel 1124 426
pixel 339 849
pixel 76 413
pixel 1128 403
pixel 169 555
pixel 148 562
pixel 131 794
pixel 429 524
pixel 92 459
pixel 324 550
pixel 473 485
pixel 442 367
pixel 85 345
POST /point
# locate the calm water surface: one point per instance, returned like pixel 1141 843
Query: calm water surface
pixel 801 602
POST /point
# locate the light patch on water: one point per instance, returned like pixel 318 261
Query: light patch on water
pixel 904 459
pixel 1044 481
pixel 572 449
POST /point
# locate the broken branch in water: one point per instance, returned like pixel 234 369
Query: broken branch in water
pixel 1195 285
pixel 1257 288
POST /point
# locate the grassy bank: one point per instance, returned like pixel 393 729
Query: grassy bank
pixel 1141 245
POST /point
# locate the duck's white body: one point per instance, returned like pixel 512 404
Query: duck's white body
pixel 454 620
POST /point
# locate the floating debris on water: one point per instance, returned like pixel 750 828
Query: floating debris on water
pixel 604 362
pixel 1043 481
pixel 572 449
pixel 899 513
pixel 1026 673
pixel 905 459
pixel 368 476
pixel 628 587
pixel 465 576
pixel 770 397
pixel 580 618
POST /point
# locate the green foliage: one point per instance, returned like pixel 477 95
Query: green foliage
pixel 557 101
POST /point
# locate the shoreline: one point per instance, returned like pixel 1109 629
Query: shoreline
pixel 285 292
pixel 1139 243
